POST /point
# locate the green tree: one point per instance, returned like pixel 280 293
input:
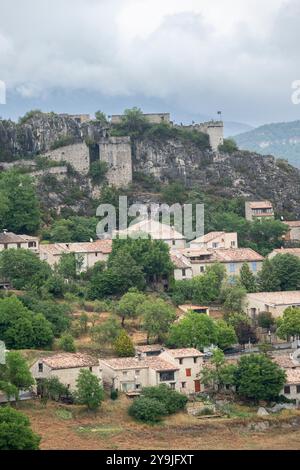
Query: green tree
pixel 89 390
pixel 21 213
pixel 15 431
pixel 247 279
pixel 23 268
pixel 287 269
pixel 148 410
pixel 52 389
pixel 158 316
pixel 56 313
pixel 172 400
pixel 259 378
pixel 16 373
pixel 174 193
pixel 22 329
pixel 83 320
pixel 268 281
pixel 193 331
pixel 218 374
pixel 127 306
pixel 101 117
pixel 123 345
pixel 69 265
pixel 226 335
pixel 152 256
pixel 265 320
pixel 228 146
pixel 289 324
pixel 106 332
pixel 67 344
pixel 233 297
pixel 122 274
pixel 133 123
pixel 243 328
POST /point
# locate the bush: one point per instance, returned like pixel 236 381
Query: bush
pixel 15 431
pixel 172 400
pixel 114 395
pixel 66 343
pixel 124 346
pixel 265 320
pixel 148 410
pixel 229 146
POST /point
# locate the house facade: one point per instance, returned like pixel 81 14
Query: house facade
pixel 66 367
pixel 259 210
pixel 132 374
pixel 182 266
pixel 216 240
pixel 285 251
pixel 293 235
pixel 232 259
pixel 156 230
pixel 190 362
pixel 9 240
pixel 87 254
pixel 273 302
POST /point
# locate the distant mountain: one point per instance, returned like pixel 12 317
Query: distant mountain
pixel 234 128
pixel 280 139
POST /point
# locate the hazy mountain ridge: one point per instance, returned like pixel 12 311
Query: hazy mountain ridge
pixel 279 139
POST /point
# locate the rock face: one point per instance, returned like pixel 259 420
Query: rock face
pixel 242 173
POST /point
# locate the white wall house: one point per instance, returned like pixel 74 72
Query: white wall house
pixel 88 254
pixel 66 367
pixel 258 210
pixel 131 374
pixel 190 362
pixel 216 240
pixel 273 302
pixel 9 240
pixel 156 230
pixel 232 259
pixel 182 266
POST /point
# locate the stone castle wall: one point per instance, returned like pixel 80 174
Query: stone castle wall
pixel 76 154
pixel 116 152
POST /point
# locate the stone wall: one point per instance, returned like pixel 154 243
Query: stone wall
pixel 214 129
pixel 77 155
pixel 116 152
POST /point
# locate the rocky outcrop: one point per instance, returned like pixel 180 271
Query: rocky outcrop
pixel 241 174
pixel 41 132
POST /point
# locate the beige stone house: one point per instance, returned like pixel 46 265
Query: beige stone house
pixel 131 374
pixel 182 266
pixel 190 362
pixel 291 365
pixel 216 240
pixel 153 118
pixel 232 259
pixel 87 253
pixel 10 240
pixel 293 235
pixel 156 230
pixel 285 251
pixel 258 210
pixel 273 302
pixel 66 367
pixel 148 350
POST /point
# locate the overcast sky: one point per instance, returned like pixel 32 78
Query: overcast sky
pixel 190 57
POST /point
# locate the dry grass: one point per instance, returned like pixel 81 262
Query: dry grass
pixel 72 427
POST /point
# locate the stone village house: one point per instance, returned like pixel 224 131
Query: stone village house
pixel 177 368
pixel 66 367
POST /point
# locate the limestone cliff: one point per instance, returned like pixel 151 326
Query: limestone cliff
pixel 242 173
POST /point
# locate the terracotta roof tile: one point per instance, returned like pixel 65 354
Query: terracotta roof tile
pixel 69 361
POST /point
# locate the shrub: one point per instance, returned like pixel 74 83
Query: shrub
pixel 124 346
pixel 114 394
pixel 66 343
pixel 15 431
pixel 228 146
pixel 265 320
pixel 172 400
pixel 146 409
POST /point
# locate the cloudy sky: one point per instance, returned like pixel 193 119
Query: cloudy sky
pixel 190 57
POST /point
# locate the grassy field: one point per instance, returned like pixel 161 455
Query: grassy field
pixel 72 427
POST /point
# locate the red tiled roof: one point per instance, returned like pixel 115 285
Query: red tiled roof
pixel 69 361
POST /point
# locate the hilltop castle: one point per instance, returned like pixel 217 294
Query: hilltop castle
pixel 117 151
